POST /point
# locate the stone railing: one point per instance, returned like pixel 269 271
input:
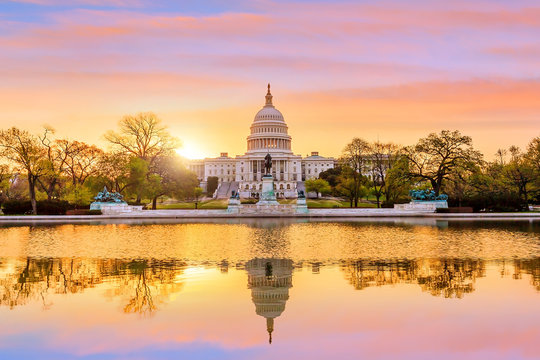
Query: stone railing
pixel 120 209
pixel 267 209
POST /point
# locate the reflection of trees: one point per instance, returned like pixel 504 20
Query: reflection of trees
pixel 530 267
pixel 147 283
pixel 440 277
pixel 31 282
pixel 450 277
pixel 364 273
pixel 141 281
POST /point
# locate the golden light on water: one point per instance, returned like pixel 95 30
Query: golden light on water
pixel 316 290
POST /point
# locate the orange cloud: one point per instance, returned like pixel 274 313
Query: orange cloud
pixel 369 70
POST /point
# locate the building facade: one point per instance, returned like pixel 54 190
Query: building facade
pixel 268 135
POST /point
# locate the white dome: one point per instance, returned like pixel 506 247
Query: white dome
pixel 269 131
pixel 269 113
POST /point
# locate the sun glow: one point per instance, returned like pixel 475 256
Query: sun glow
pixel 190 151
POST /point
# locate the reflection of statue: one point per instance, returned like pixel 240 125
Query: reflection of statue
pixel 267 164
pixel 269 281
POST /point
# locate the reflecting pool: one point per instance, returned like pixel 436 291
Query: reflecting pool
pixel 271 289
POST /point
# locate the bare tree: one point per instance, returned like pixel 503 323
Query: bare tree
pixel 533 153
pixel 501 156
pixel 354 157
pixel 114 169
pixel 80 159
pixel 520 173
pixel 435 157
pixel 382 157
pixel 55 164
pixel 27 153
pixel 143 136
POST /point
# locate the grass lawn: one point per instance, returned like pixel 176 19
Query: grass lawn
pixel 331 203
pixel 208 204
pixel 222 204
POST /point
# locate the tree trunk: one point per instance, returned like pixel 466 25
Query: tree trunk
pixel 50 190
pixel 32 190
pixel 435 186
pixel 154 203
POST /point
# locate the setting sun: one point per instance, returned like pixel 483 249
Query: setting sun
pixel 190 151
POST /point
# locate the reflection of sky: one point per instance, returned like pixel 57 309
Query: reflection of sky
pixel 213 317
pixel 387 68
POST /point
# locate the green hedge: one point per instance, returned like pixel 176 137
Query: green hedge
pixel 83 212
pixel 44 207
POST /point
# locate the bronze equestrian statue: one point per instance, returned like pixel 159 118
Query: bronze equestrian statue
pixel 268 164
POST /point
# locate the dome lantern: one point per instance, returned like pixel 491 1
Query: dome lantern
pixel 268 98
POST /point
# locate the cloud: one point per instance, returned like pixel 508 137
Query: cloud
pixel 496 113
pixel 73 3
pixel 359 66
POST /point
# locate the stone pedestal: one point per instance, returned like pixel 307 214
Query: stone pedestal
pixel 301 206
pixel 110 209
pixel 268 196
pixel 423 205
pixel 98 205
pixel 234 205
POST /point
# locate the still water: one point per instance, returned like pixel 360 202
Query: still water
pixel 271 289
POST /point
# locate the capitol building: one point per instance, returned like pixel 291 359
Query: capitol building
pixel 243 174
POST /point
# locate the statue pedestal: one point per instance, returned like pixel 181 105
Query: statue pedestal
pixel 301 206
pixel 234 206
pixel 268 196
pixel 423 205
pixel 98 205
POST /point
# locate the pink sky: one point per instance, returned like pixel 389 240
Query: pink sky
pixel 387 69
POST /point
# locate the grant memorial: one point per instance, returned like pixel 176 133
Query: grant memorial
pixel 268 195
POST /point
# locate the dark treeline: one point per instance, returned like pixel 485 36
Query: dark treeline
pixel 141 164
pixel 445 163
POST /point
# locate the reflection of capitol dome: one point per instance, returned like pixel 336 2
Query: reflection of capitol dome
pixel 269 132
pixel 269 281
